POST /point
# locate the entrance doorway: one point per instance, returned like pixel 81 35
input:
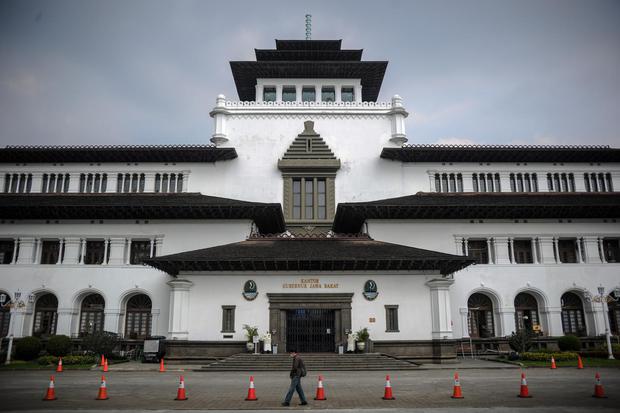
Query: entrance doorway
pixel 310 330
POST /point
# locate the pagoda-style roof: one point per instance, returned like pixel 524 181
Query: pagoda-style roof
pixel 152 206
pixel 273 254
pixel 308 59
pixel 115 153
pixel 466 205
pixel 501 153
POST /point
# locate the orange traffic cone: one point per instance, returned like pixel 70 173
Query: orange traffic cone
pixel 161 365
pixel 579 362
pixel 456 393
pixel 553 366
pixel 51 392
pixel 599 392
pixel 59 368
pixel 387 395
pixel 525 392
pixel 105 365
pixel 181 391
pixel 102 361
pixel 320 392
pixel 103 390
pixel 251 391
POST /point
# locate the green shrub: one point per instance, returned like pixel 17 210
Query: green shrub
pixel 59 345
pixel 27 348
pixel 67 360
pixel 521 341
pixel 569 343
pixel 539 356
pixel 102 342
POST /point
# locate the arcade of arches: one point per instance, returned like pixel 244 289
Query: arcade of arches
pixel 137 320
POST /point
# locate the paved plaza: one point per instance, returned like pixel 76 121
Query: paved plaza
pixel 567 389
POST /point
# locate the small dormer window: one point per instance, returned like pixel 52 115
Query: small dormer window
pixel 269 94
pixel 289 94
pixel 308 94
pixel 347 94
pixel 328 94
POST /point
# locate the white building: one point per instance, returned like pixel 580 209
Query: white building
pixel 342 226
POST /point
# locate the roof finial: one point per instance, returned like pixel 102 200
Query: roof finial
pixel 308 27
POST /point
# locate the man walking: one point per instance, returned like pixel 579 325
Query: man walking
pixel 297 372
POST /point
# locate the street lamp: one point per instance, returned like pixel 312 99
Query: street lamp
pixel 604 299
pixel 17 303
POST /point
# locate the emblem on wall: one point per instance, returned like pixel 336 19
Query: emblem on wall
pixel 370 290
pixel 249 290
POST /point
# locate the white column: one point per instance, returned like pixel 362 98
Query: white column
pixel 111 321
pixel 82 250
pixel 117 251
pixel 546 250
pixel 26 250
pixel 468 184
pixel 106 243
pixel 440 308
pixel 579 253
pixel 504 180
pixel 591 246
pixel 152 247
pixel 511 244
pixel 112 182
pixel 259 93
pixel 464 311
pixel 601 249
pixel 507 320
pixel 155 321
pixel 431 180
pixel 159 245
pixel 298 92
pixel 37 178
pixel 317 93
pixel 15 245
pixel 278 93
pixel 580 185
pixel 553 316
pixel 2 181
pixel 219 114
pixel 458 241
pixel 489 251
pixel 338 89
pixel 398 115
pixel 74 183
pixel 178 327
pixel 17 323
pixel 358 94
pixel 501 250
pixel 37 251
pixel 149 182
pixel 466 243
pixel 61 244
pixel 63 323
pixel 72 250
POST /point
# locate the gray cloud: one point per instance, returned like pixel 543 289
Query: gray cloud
pixel 86 72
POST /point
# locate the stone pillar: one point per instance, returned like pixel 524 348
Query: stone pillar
pixel 63 322
pixel 179 309
pixel 72 250
pixel 111 320
pixel 464 312
pixel 501 250
pixel 507 321
pixel 591 249
pixel 219 114
pixel 553 316
pixel 546 250
pixel 441 312
pixel 117 251
pixel 26 250
pixel 398 114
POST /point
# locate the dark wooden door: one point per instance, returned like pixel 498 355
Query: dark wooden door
pixel 310 330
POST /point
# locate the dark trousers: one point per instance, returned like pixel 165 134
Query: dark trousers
pixel 295 385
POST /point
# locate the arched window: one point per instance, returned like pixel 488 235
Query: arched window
pixel 614 315
pixel 573 321
pixel 138 317
pixel 5 315
pixel 526 313
pixel 480 316
pixel 91 314
pixel 45 315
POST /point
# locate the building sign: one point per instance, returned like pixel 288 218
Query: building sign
pixel 370 290
pixel 313 283
pixel 250 291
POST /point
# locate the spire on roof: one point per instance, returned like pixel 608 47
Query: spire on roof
pixel 308 27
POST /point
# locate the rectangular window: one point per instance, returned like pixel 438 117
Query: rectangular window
pixel 478 250
pixel 322 199
pixel 289 94
pixel 228 319
pixel 140 250
pixel 523 251
pixel 611 248
pixel 50 251
pixel 347 94
pixel 328 94
pixel 269 94
pixel 6 251
pixel 391 318
pixel 308 94
pixel 297 198
pixel 309 199
pixel 567 250
pixel 94 252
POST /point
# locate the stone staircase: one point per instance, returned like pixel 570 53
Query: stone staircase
pixel 314 362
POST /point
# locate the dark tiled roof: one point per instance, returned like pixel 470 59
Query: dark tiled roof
pixel 310 254
pixel 115 153
pixel 268 217
pixel 308 44
pixel 548 205
pixel 501 153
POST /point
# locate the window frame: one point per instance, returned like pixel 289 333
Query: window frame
pixel 228 318
pixel 391 318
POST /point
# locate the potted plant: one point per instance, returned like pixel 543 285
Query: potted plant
pixel 362 338
pixel 250 332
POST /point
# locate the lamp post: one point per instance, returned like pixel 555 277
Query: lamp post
pixel 604 299
pixel 17 303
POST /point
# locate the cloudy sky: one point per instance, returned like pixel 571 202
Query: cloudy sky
pixel 140 72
